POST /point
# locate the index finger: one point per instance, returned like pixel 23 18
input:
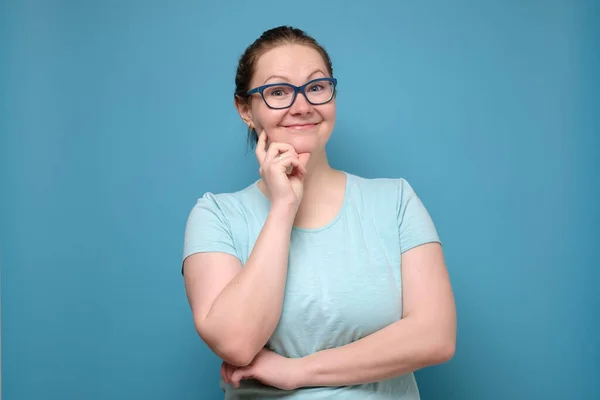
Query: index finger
pixel 261 146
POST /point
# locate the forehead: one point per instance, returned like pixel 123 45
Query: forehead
pixel 295 62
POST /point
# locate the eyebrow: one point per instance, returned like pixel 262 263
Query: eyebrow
pixel 287 80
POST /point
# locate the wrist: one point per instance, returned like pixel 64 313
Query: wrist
pixel 283 212
pixel 302 375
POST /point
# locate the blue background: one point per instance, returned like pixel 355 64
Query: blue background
pixel 116 116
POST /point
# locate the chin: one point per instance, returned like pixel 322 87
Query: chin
pixel 308 143
pixel 307 140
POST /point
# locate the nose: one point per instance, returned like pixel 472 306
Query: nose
pixel 301 105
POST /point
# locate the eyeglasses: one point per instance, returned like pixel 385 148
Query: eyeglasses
pixel 282 95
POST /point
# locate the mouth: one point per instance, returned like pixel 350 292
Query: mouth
pixel 301 127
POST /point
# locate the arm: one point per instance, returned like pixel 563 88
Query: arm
pixel 425 335
pixel 237 309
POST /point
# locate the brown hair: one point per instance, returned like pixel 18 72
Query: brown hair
pixel 268 40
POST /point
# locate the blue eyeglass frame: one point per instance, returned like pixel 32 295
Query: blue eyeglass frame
pixel 297 89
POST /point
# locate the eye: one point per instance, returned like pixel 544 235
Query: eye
pixel 278 91
pixel 316 87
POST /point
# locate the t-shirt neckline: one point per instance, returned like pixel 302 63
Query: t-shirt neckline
pixel 331 223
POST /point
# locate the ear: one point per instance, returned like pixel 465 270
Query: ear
pixel 245 111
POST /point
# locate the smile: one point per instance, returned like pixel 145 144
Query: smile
pixel 300 127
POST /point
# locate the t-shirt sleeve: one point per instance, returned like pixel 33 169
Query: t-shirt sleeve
pixel 207 229
pixel 415 225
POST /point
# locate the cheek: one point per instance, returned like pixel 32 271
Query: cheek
pixel 329 113
pixel 267 118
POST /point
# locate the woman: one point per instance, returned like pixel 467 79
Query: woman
pixel 313 283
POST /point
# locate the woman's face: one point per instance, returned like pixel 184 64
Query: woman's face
pixel 304 126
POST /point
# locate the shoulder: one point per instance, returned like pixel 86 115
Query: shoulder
pixel 380 197
pixel 395 190
pixel 228 206
pixel 228 201
pixel 213 221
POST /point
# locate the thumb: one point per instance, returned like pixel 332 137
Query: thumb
pixel 239 375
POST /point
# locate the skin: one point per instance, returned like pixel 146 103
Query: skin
pixel 306 128
pixel 236 321
pixel 231 317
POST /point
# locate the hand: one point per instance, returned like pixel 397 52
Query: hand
pixel 282 170
pixel 268 368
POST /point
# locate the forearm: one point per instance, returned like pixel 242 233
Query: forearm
pixel 247 311
pixel 400 348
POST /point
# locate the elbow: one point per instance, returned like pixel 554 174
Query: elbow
pixel 440 341
pixel 442 350
pixel 236 355
pixel 446 352
pixel 234 348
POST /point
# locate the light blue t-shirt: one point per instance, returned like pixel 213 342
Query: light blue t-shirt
pixel 344 279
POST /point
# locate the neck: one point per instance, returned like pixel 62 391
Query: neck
pixel 319 180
